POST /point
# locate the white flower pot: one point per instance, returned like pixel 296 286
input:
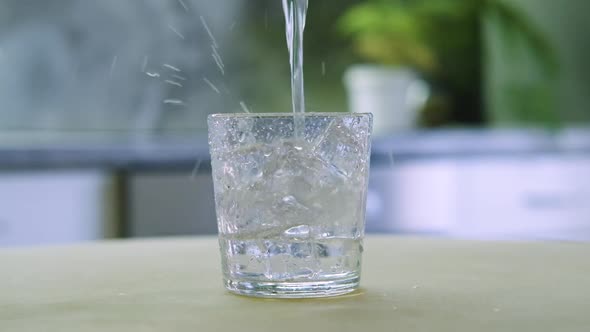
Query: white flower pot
pixel 395 96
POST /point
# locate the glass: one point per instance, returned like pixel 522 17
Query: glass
pixel 290 193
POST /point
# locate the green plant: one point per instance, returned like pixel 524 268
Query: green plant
pixel 443 40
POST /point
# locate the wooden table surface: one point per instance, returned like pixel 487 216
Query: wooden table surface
pixel 408 284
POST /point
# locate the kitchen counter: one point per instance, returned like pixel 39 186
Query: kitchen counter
pixel 409 284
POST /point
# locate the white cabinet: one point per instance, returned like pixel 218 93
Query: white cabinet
pixel 519 196
pixel 54 207
pixel 412 197
pixel 527 197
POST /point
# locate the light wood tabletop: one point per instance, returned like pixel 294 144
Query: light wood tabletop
pixel 408 284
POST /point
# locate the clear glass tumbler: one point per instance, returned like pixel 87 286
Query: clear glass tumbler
pixel 290 193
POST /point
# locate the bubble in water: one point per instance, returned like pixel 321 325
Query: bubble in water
pixel 289 199
pixel 298 231
pixel 242 137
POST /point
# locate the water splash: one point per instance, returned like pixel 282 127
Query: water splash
pixel 211 85
pixel 173 29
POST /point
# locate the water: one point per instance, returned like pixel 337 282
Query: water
pixel 295 16
pixel 288 258
pixel 291 209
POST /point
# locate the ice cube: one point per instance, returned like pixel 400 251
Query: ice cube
pixel 344 145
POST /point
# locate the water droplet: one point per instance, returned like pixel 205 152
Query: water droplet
pixel 268 153
pixel 298 148
pixel 245 107
pixel 173 102
pixel 213 41
pixel 183 5
pixel 178 77
pixel 176 31
pixel 218 60
pixel 144 64
pixel 113 65
pixel 211 85
pixel 242 137
pixel 173 83
pixel 171 67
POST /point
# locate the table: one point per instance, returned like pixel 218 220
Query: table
pixel 409 284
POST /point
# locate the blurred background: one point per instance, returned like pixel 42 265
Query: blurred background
pixel 482 123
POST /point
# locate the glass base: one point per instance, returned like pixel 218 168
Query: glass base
pixel 293 290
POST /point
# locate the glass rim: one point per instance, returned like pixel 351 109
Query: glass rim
pixel 288 115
